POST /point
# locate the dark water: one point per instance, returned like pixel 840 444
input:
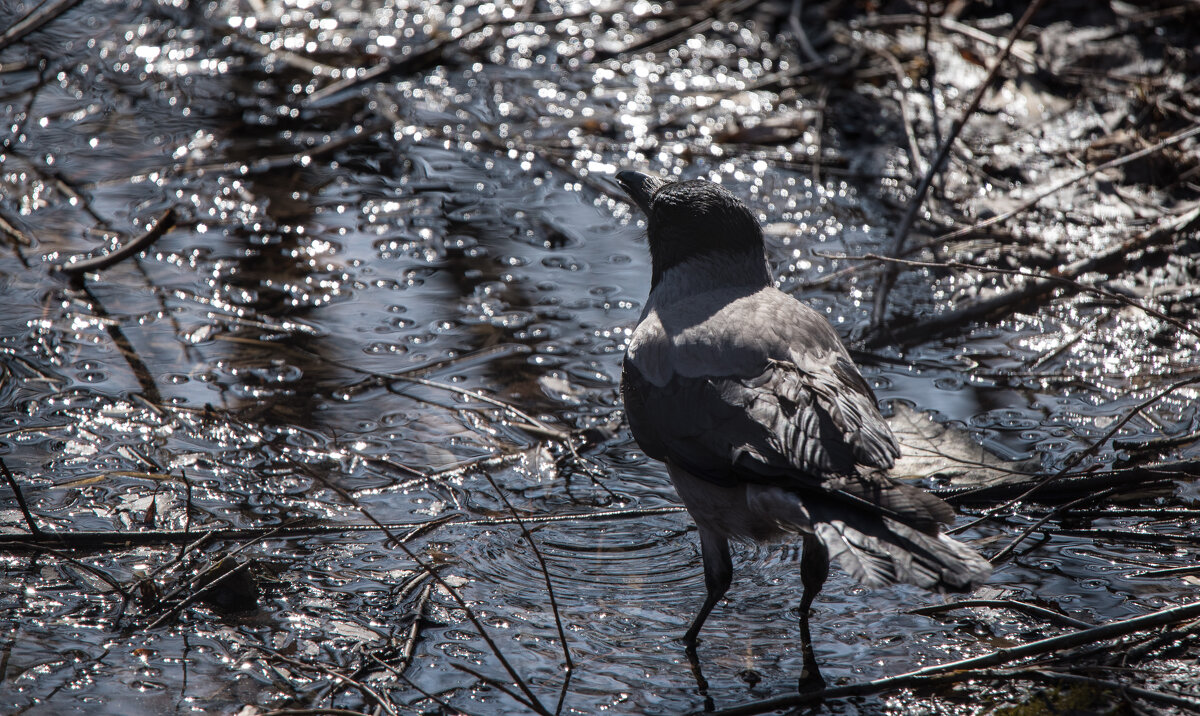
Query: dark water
pixel 452 221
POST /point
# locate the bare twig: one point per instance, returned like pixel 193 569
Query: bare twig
pixel 414 629
pixel 1010 604
pixel 499 686
pixel 795 21
pixel 549 431
pixel 901 235
pixel 35 19
pixel 1059 186
pixel 947 24
pixel 1040 285
pixel 963 669
pixel 1078 457
pixel 906 114
pixel 421 57
pixel 315 712
pixel 472 617
pixel 76 269
pixel 1148 694
pixel 562 635
pixel 665 35
pixel 1012 546
pixel 29 519
pixel 380 700
pixel 198 593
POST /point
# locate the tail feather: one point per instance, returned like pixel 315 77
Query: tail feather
pixel 879 552
pixel 873 547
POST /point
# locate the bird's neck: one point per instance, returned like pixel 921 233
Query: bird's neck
pixel 710 272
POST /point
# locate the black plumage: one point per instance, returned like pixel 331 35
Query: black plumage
pixel 767 427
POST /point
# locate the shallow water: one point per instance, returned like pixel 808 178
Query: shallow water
pixel 455 224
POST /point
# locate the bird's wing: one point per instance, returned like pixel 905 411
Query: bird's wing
pixel 799 417
pixel 777 423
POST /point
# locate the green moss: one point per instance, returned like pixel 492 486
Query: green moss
pixel 1076 700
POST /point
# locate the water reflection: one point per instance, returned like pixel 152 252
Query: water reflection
pixel 371 189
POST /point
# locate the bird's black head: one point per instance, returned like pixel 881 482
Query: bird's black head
pixel 692 219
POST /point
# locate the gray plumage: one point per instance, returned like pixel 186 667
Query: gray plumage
pixel 767 427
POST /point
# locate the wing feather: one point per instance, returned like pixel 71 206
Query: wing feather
pixel 801 418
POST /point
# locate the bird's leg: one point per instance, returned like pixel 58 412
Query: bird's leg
pixel 814 568
pixel 718 573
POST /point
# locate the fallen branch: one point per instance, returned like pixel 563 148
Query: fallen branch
pixel 1041 284
pixel 1011 547
pixel 422 57
pixel 30 522
pixel 1009 604
pixel 1068 487
pixel 966 669
pixel 1035 200
pixel 947 24
pixel 34 20
pixel 109 539
pixel 76 269
pixel 696 21
pixel 935 167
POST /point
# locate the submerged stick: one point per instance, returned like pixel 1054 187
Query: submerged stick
pixel 76 269
pixel 35 19
pixel 1074 460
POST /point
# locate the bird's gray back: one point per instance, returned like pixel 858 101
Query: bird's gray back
pixel 728 332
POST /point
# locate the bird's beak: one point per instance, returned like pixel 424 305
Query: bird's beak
pixel 640 187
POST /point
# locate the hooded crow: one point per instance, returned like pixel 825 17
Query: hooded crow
pixel 766 426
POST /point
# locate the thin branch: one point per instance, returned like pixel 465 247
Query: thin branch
pixel 562 635
pixel 1010 604
pixel 1012 546
pixel 914 150
pixel 454 594
pixel 108 539
pixel 76 269
pixel 939 161
pixel 417 59
pixel 961 670
pixel 29 519
pixel 34 20
pixel 1036 199
pixel 1078 457
pixel 795 21
pixel 383 703
pixel 1040 285
pixel 499 686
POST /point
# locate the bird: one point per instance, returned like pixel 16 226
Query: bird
pixel 766 426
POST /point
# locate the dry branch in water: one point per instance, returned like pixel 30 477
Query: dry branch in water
pixel 76 269
pixel 1037 286
pixel 967 669
pixel 884 286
